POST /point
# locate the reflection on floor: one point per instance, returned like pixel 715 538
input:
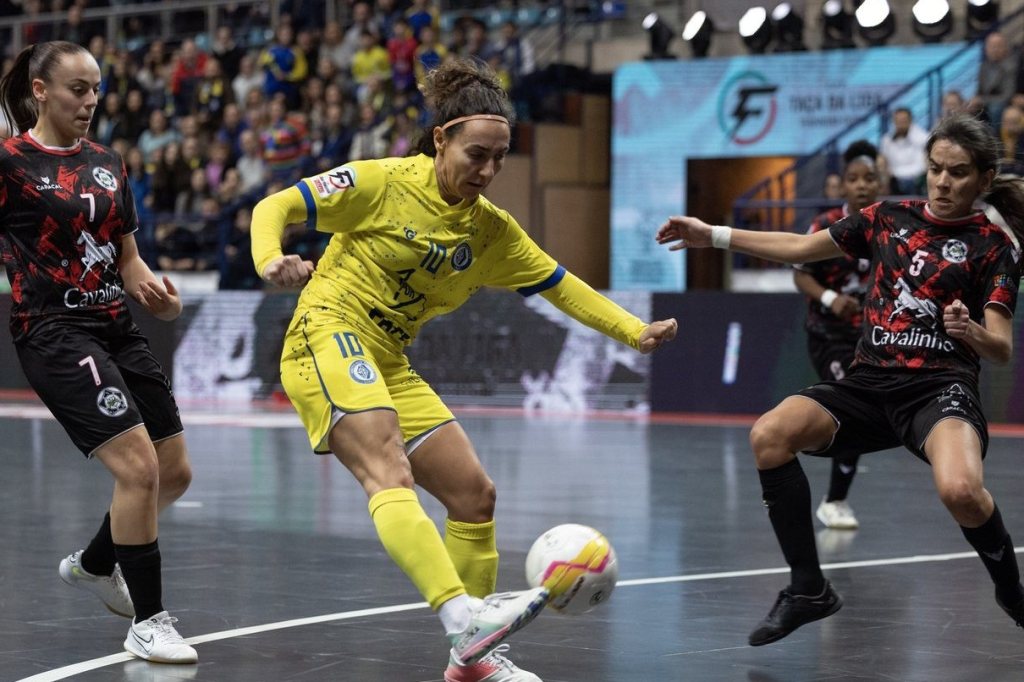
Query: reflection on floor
pixel 275 573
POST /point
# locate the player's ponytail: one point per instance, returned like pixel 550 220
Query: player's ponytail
pixel 1007 196
pixel 35 61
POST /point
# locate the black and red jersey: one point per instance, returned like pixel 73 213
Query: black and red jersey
pixel 845 275
pixel 919 265
pixel 63 213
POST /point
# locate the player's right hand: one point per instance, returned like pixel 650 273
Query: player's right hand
pixel 685 232
pixel 288 271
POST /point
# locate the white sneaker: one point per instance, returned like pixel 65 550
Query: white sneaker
pixel 155 639
pixel 493 619
pixel 493 667
pixel 109 588
pixel 837 515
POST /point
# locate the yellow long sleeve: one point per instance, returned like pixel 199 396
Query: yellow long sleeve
pixel 576 298
pixel 269 218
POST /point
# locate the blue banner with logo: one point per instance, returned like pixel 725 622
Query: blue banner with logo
pixel 666 112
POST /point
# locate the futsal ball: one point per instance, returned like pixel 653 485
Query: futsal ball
pixel 577 564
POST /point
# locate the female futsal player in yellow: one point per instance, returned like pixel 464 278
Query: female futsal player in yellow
pixel 412 239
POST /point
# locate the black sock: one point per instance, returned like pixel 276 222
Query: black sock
pixel 993 544
pixel 140 565
pixel 840 481
pixel 98 558
pixel 787 494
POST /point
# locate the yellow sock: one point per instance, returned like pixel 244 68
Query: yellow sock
pixel 474 553
pixel 412 541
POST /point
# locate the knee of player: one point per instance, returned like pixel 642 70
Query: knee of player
pixel 768 436
pixel 960 493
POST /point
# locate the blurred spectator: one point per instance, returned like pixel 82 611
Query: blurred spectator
pixel 189 202
pixel 226 50
pixel 401 135
pixel 34 31
pixel 362 21
pixel 904 148
pixel 237 270
pixel 369 141
pixel 332 147
pixel 997 76
pixel 284 143
pixel 284 67
pixel 108 123
pixel 430 53
pixel 231 129
pixel 252 169
pixel 248 78
pixel 313 101
pixel 421 14
pixel 121 78
pixel 176 246
pixel 217 165
pixel 188 70
pixel 1011 133
pixel 157 135
pixel 477 43
pixel 833 188
pixel 385 17
pixel 213 93
pixel 952 102
pixel 331 46
pixel 402 54
pixel 370 61
pixel 74 28
pixel 516 52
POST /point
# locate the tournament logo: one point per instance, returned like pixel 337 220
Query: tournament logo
pixel 336 180
pixel 955 251
pixel 747 107
pixel 105 178
pixel 111 402
pixel 362 371
pixel 463 257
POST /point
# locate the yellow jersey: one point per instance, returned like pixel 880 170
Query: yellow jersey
pixel 400 255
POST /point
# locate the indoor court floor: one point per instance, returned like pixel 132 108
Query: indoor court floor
pixel 272 566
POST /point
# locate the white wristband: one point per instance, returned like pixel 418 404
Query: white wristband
pixel 721 235
pixel 828 297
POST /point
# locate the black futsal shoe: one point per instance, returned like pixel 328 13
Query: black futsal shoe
pixel 793 610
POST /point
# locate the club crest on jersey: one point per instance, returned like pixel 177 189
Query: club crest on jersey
pixel 336 180
pixel 104 178
pixel 362 371
pixel 111 401
pixel 955 251
pixel 462 258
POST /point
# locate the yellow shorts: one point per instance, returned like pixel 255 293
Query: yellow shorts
pixel 327 364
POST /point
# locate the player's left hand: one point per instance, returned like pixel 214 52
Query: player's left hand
pixel 657 333
pixel 957 320
pixel 160 300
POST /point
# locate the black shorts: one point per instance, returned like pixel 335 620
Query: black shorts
pixel 99 385
pixel 878 409
pixel 831 357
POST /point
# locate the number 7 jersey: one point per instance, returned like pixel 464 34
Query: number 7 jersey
pixel 400 255
pixel 63 212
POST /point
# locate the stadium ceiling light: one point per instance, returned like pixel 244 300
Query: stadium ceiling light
pixel 661 35
pixel 932 20
pixel 982 16
pixel 836 26
pixel 875 22
pixel 755 30
pixel 698 32
pixel 788 27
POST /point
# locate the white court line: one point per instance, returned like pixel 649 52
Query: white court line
pixel 85 666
